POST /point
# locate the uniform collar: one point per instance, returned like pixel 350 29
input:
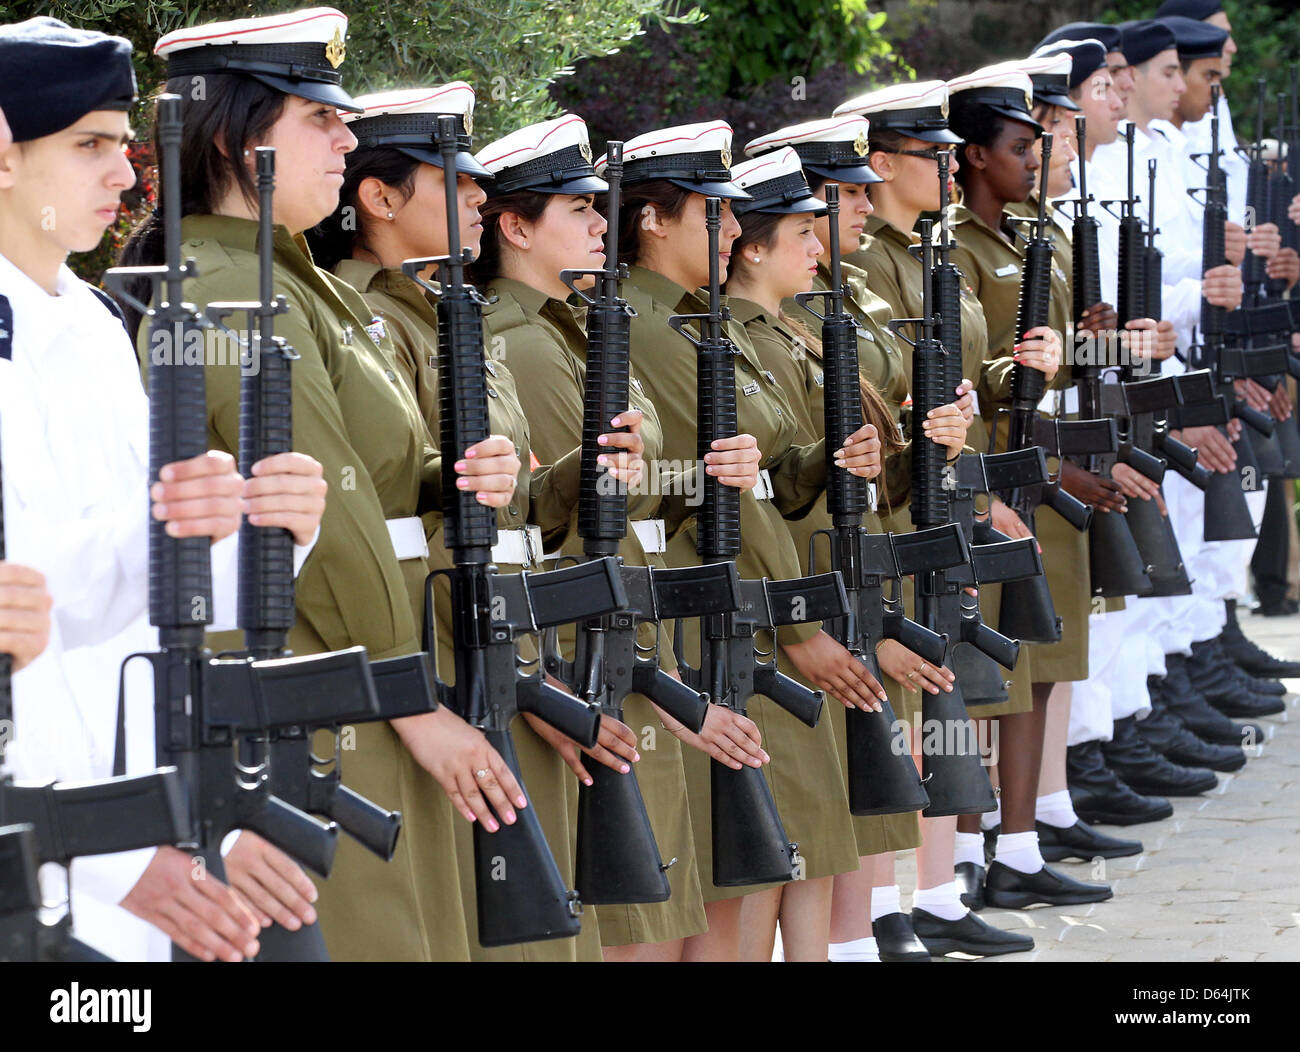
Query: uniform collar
pixel 659 288
pixel 744 311
pixel 530 300
pixel 31 305
pixel 879 227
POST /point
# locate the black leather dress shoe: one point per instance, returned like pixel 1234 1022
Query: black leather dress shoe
pixel 1197 714
pixel 970 882
pixel 1166 734
pixel 1246 705
pixel 1009 889
pixel 1225 686
pixel 1099 796
pixel 1268 687
pixel 1245 653
pixel 1285 608
pixel 1081 841
pixel 1146 771
pixel 970 935
pixel 895 940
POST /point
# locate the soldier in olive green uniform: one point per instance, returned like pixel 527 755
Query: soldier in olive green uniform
pixel 545 497
pixel 364 582
pixel 999 166
pixel 540 208
pixel 661 225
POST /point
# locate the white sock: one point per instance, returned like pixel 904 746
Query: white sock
pixel 1055 809
pixel 943 901
pixel 884 901
pixel 1019 851
pixel 991 818
pixel 968 848
pixel 854 950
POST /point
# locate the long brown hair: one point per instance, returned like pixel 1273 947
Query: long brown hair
pixel 760 228
pixel 668 199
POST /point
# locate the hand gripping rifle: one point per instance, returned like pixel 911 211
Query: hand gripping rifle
pixel 617 858
pixel 1027 609
pixel 749 841
pixel 882 778
pixel 1227 516
pixel 1281 188
pixel 203 705
pixel 56 823
pixel 363 691
pixel 521 896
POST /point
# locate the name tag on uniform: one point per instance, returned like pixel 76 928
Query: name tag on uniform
pixel 490 366
pixel 771 376
pixel 376 330
pixel 750 388
pixel 1059 273
pixel 820 379
pixel 866 334
pixel 1006 271
pixel 347 335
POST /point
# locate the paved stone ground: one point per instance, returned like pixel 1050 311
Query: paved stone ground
pixel 1219 881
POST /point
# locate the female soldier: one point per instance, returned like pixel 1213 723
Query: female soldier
pixel 837 149
pixel 394 187
pixel 539 219
pixel 667 176
pixel 365 581
pixel 776 257
pixel 991 111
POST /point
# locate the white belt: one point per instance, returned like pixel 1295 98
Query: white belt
pixel 408 537
pixel 650 532
pixel 763 488
pixel 521 547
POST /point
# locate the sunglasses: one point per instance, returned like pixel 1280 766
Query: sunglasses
pixel 931 154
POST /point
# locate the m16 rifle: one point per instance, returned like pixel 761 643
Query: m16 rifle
pixel 749 841
pixel 521 895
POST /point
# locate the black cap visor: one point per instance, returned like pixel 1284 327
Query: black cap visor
pixel 708 189
pixel 313 90
pixel 861 174
pixel 465 162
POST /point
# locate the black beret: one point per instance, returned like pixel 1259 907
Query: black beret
pixel 1088 56
pixel 1109 36
pixel 1196 39
pixel 1144 40
pixel 52 75
pixel 1197 10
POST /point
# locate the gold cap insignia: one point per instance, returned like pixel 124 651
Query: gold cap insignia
pixel 1029 101
pixel 469 124
pixel 585 150
pixel 336 50
pixel 861 144
pixel 726 157
pixel 943 108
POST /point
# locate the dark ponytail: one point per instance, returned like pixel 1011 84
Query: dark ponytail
pixel 233 113
pixel 338 236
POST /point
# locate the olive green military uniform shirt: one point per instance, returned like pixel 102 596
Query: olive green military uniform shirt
pixel 354 415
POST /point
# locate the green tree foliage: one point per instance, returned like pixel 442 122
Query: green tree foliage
pixel 1267 35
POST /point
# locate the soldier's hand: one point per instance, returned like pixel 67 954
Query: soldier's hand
pixel 1264 240
pixel 1252 394
pixel 1134 483
pixel 912 671
pixel 472 773
pixel 1041 350
pixel 615 745
pixel 24 613
pixel 194 909
pixel 946 426
pixel 1221 286
pixel 1102 494
pixel 287 490
pixel 199 497
pixel 490 470
pixel 1293 209
pixel 626 466
pixel 860 454
pixel 1280 404
pixel 1006 521
pixel 728 737
pixel 1234 242
pixel 966 401
pixel 1213 449
pixel 830 667
pixel 1146 339
pixel 1285 265
pixel 270 883
pixel 734 461
pixel 1099 318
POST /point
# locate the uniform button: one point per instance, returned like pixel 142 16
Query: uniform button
pixel 778 410
pixel 196 243
pixel 492 393
pixel 513 510
pixel 391 375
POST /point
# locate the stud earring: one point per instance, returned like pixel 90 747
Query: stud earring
pixel 390 215
pixel 757 259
